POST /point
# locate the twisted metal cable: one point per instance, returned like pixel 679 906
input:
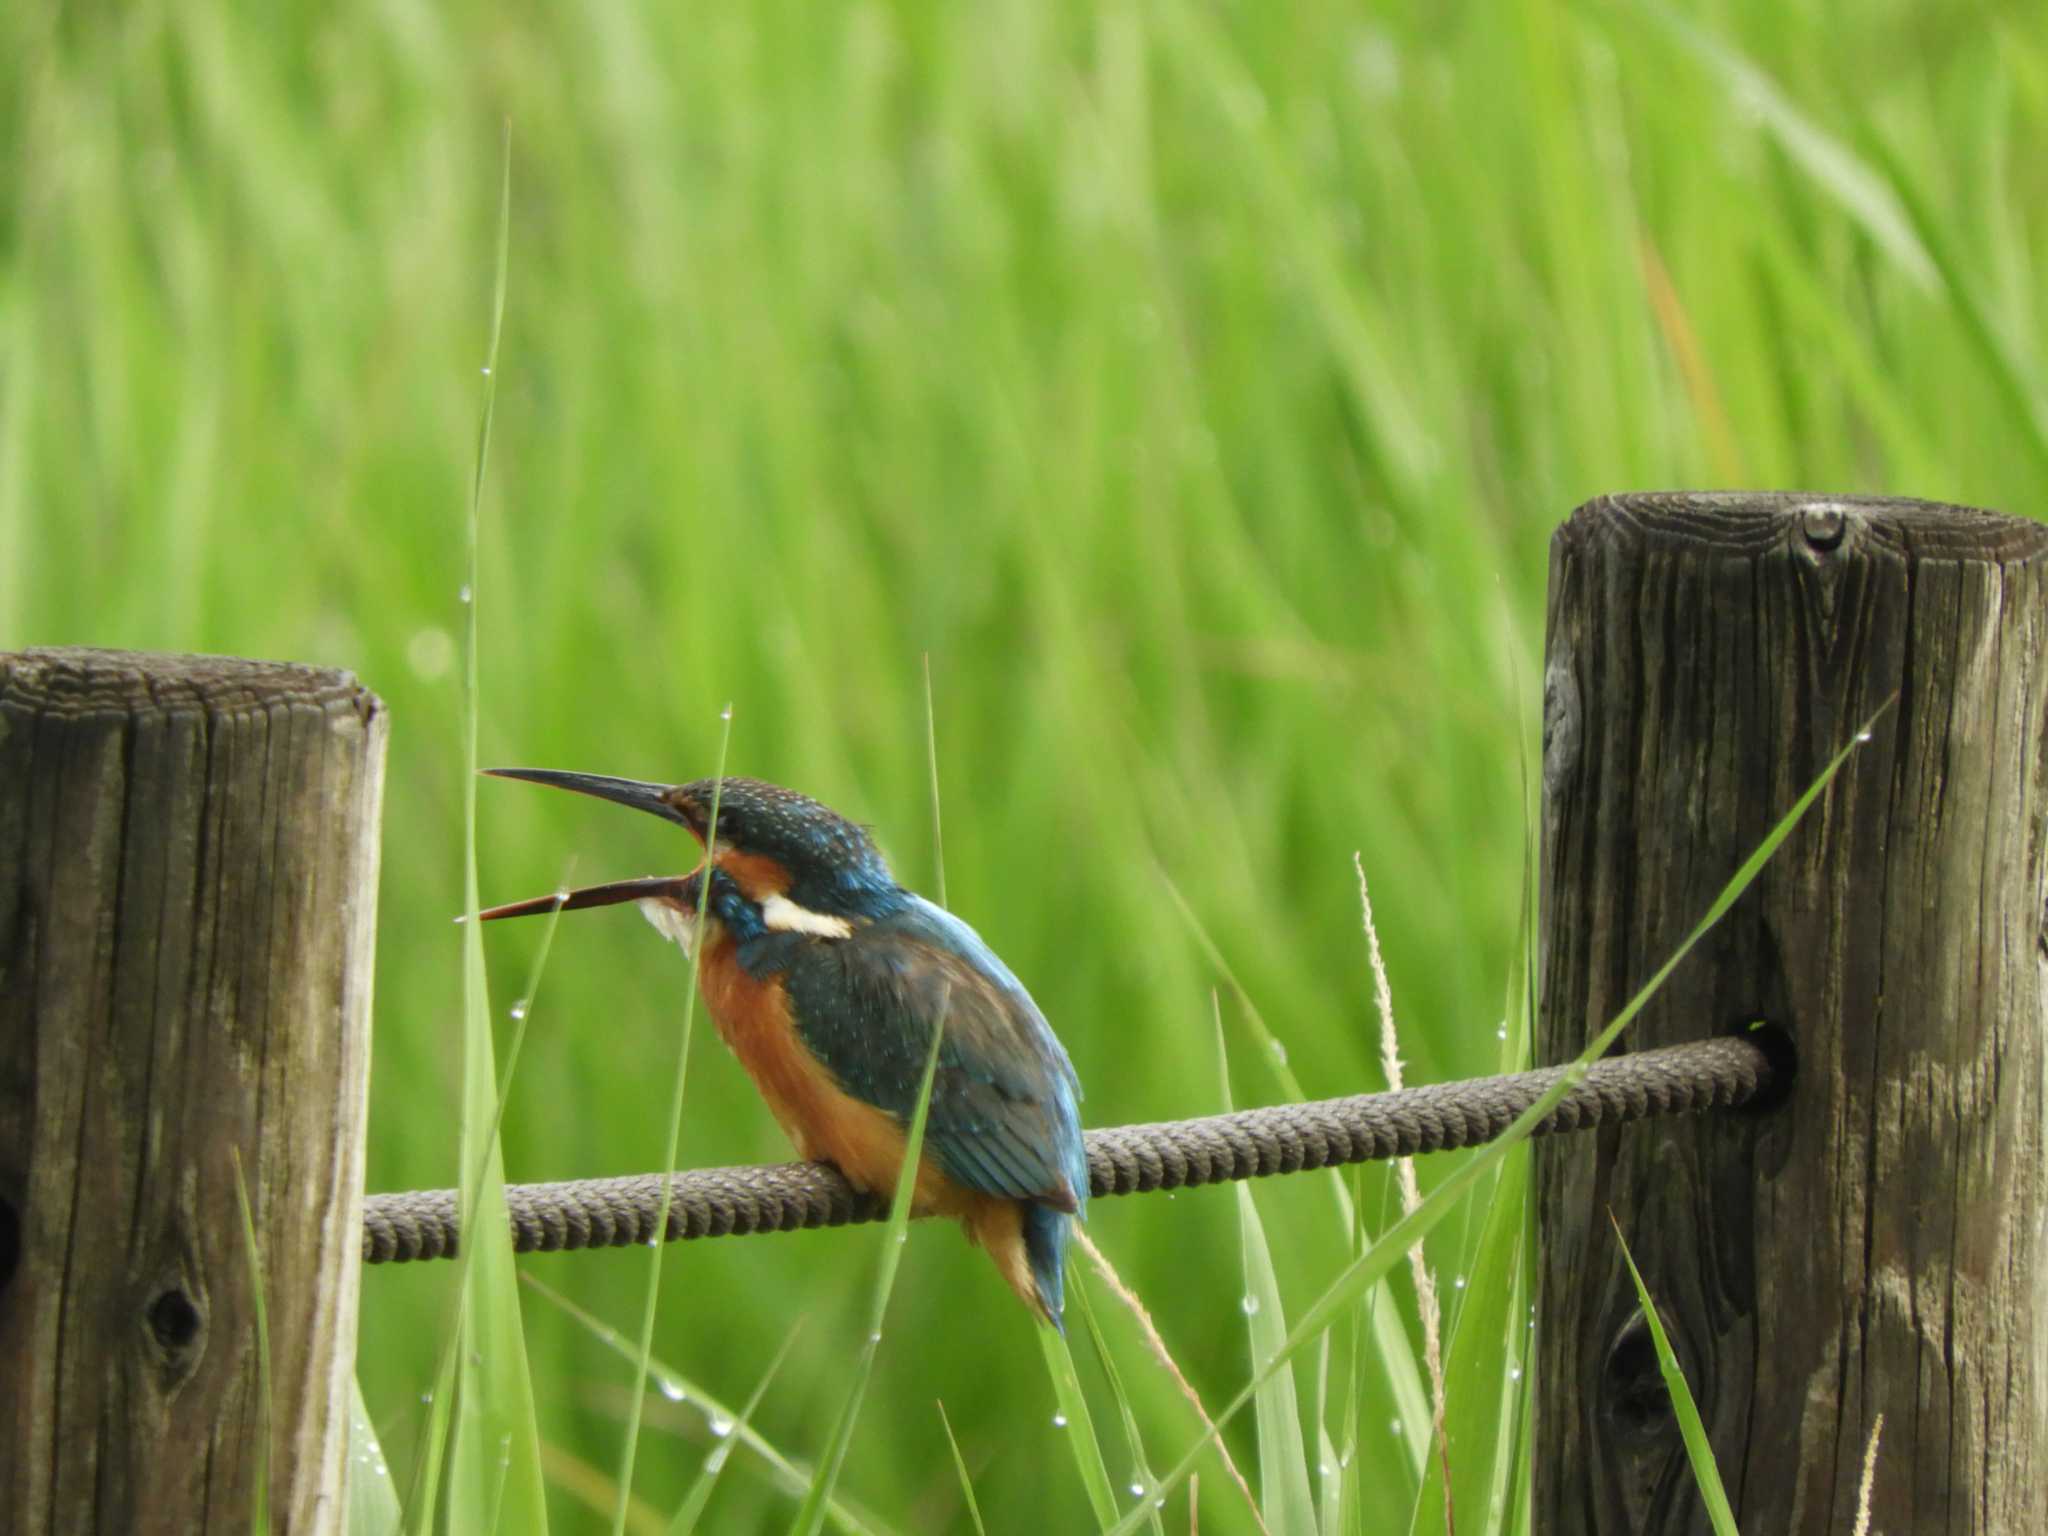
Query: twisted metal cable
pixel 1722 1073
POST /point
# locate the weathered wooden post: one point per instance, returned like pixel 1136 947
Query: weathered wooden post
pixel 1875 1244
pixel 188 860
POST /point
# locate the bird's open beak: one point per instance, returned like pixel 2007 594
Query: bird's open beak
pixel 679 889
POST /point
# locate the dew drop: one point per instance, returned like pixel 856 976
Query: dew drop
pixel 1280 1053
pixel 485 370
pixel 719 1425
pixel 1501 1033
pixel 465 595
pixel 1394 1425
pixel 1059 1421
pixel 874 1335
pixel 427 1396
pixel 670 1388
pixel 1514 1373
pixel 1137 1490
pixel 726 713
pixel 1250 1304
pixel 1458 1284
pixel 518 1010
pixel 1863 736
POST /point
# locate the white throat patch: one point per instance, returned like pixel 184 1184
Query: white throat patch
pixel 671 922
pixel 785 916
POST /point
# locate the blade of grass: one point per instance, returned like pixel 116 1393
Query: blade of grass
pixel 1072 1415
pixel 791 1475
pixel 1698 1450
pixel 372 1496
pixel 441 1398
pixel 259 1506
pixel 960 1466
pixel 1155 1345
pixel 495 1477
pixel 1396 1351
pixel 1285 1503
pixel 1429 1309
pixel 1410 1229
pixel 1329 1466
pixel 692 1507
pixel 474 1148
pixel 631 1447
pixel 931 749
pixel 1482 1365
pixel 812 1515
pixel 1141 1481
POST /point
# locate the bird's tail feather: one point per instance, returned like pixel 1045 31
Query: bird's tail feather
pixel 1045 1245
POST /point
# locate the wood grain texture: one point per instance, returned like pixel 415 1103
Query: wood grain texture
pixel 188 861
pixel 1875 1244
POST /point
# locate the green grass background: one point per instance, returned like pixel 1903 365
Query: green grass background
pixel 1196 385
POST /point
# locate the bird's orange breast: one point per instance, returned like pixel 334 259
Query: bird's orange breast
pixel 820 1118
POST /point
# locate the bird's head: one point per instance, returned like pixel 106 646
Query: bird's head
pixel 796 863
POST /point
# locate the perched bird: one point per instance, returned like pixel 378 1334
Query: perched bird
pixel 827 979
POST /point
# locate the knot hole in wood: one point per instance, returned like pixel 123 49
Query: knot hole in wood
pixel 174 1322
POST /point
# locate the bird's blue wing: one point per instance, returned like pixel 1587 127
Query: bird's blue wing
pixel 1005 1111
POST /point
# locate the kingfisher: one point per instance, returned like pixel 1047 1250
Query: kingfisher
pixel 827 979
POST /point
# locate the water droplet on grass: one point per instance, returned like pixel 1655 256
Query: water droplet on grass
pixel 1250 1305
pixel 1059 1421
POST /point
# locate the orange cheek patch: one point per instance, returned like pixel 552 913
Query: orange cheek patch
pixel 757 876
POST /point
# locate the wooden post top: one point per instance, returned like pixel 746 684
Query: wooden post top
pixel 69 680
pixel 1757 522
